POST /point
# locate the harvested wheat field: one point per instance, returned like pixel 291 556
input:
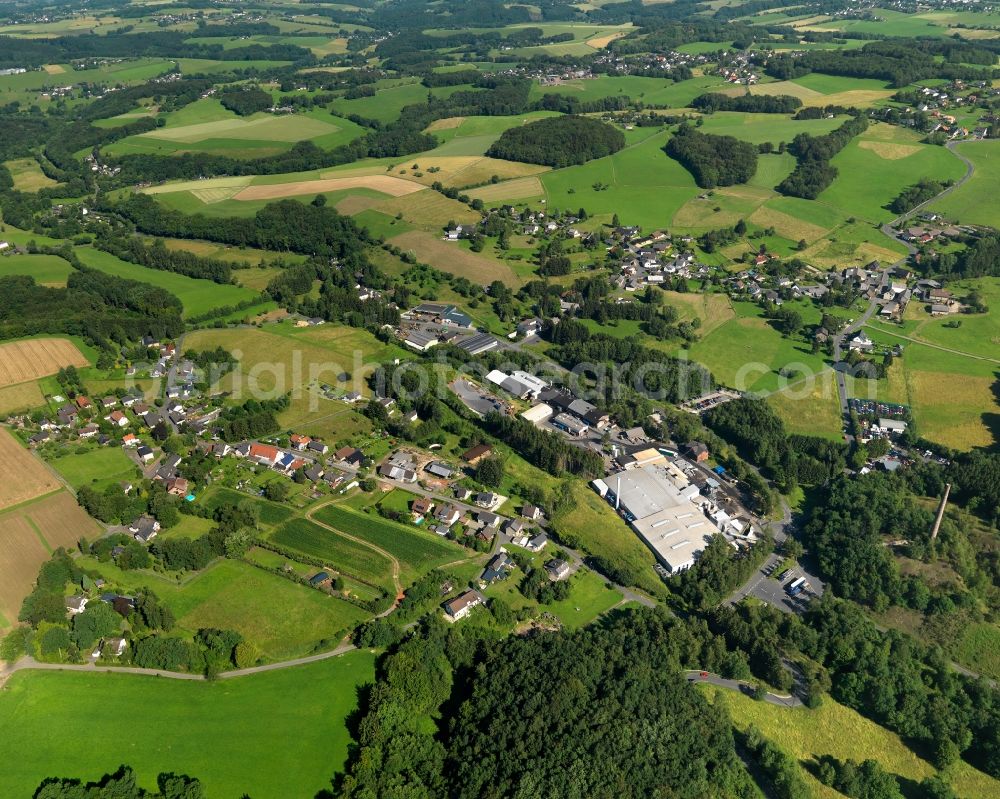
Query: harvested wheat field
pixel 518 189
pixel 20 396
pixel 235 183
pixel 28 535
pixel 449 256
pixel 891 151
pixel 356 203
pixel 448 123
pixel 786 225
pixel 860 98
pixel 26 477
pixel 387 184
pixel 54 69
pixel 21 361
pixel 600 42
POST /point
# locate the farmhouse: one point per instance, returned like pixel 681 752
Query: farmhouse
pixel 462 605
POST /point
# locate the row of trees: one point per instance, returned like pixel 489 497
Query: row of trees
pixel 747 103
pixel 814 172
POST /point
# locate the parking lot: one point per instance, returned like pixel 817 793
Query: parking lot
pixel 765 586
pixel 476 399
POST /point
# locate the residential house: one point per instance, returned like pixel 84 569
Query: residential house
pixel 264 454
pixel 89 431
pixel 537 544
pixel 314 473
pixel 130 440
pixel 485 499
pixel 531 512
pixel 177 487
pixel 299 442
pixel 487 519
pixel 447 515
pixel 145 454
pixel 557 569
pixel 319 579
pixel 111 648
pixel 118 418
pixel 498 568
pixel 318 447
pixel 462 605
pixel 76 604
pixel 144 528
pixel 421 506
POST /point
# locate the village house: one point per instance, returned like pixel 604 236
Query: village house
pixel 462 605
pixel 144 528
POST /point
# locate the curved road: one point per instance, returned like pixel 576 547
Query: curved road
pixel 889 230
pixel 741 686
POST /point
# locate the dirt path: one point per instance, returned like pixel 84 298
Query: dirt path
pixel 396 584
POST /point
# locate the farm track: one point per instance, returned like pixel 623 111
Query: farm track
pixel 396 584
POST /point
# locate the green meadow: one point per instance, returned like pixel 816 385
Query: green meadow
pixel 974 203
pixel 48 270
pixel 653 91
pixel 98 468
pixel 222 732
pixel 197 296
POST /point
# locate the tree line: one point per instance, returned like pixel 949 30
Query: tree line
pixel 814 172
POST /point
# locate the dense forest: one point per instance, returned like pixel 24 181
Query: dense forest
pixel 558 141
pixel 554 715
pixel 713 160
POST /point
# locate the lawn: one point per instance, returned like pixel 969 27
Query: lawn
pixel 341 553
pixel 975 202
pixel 98 467
pixel 417 551
pixel 589 597
pixel 47 270
pixel 833 729
pixel 211 730
pixel 197 296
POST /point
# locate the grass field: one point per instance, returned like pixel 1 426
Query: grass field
pixel 20 396
pixel 210 730
pixel 973 203
pixel 833 729
pixel 28 175
pixel 872 174
pixel 810 408
pixel 284 619
pixel 639 183
pixel 28 535
pixel 97 467
pixel 284 358
pixel 417 551
pixel 653 91
pixel 47 270
pixel 197 296
pixel 451 256
pixel 342 553
pixel 592 526
pixel 29 359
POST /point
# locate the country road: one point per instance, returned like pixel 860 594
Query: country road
pixel 741 686
pixel 28 662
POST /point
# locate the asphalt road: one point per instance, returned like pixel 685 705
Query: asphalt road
pixel 743 687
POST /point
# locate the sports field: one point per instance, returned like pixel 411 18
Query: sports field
pixel 272 735
pixel 833 729
pixel 197 296
pixel 28 359
pixel 28 535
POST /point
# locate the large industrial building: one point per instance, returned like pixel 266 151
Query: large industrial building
pixel 659 503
